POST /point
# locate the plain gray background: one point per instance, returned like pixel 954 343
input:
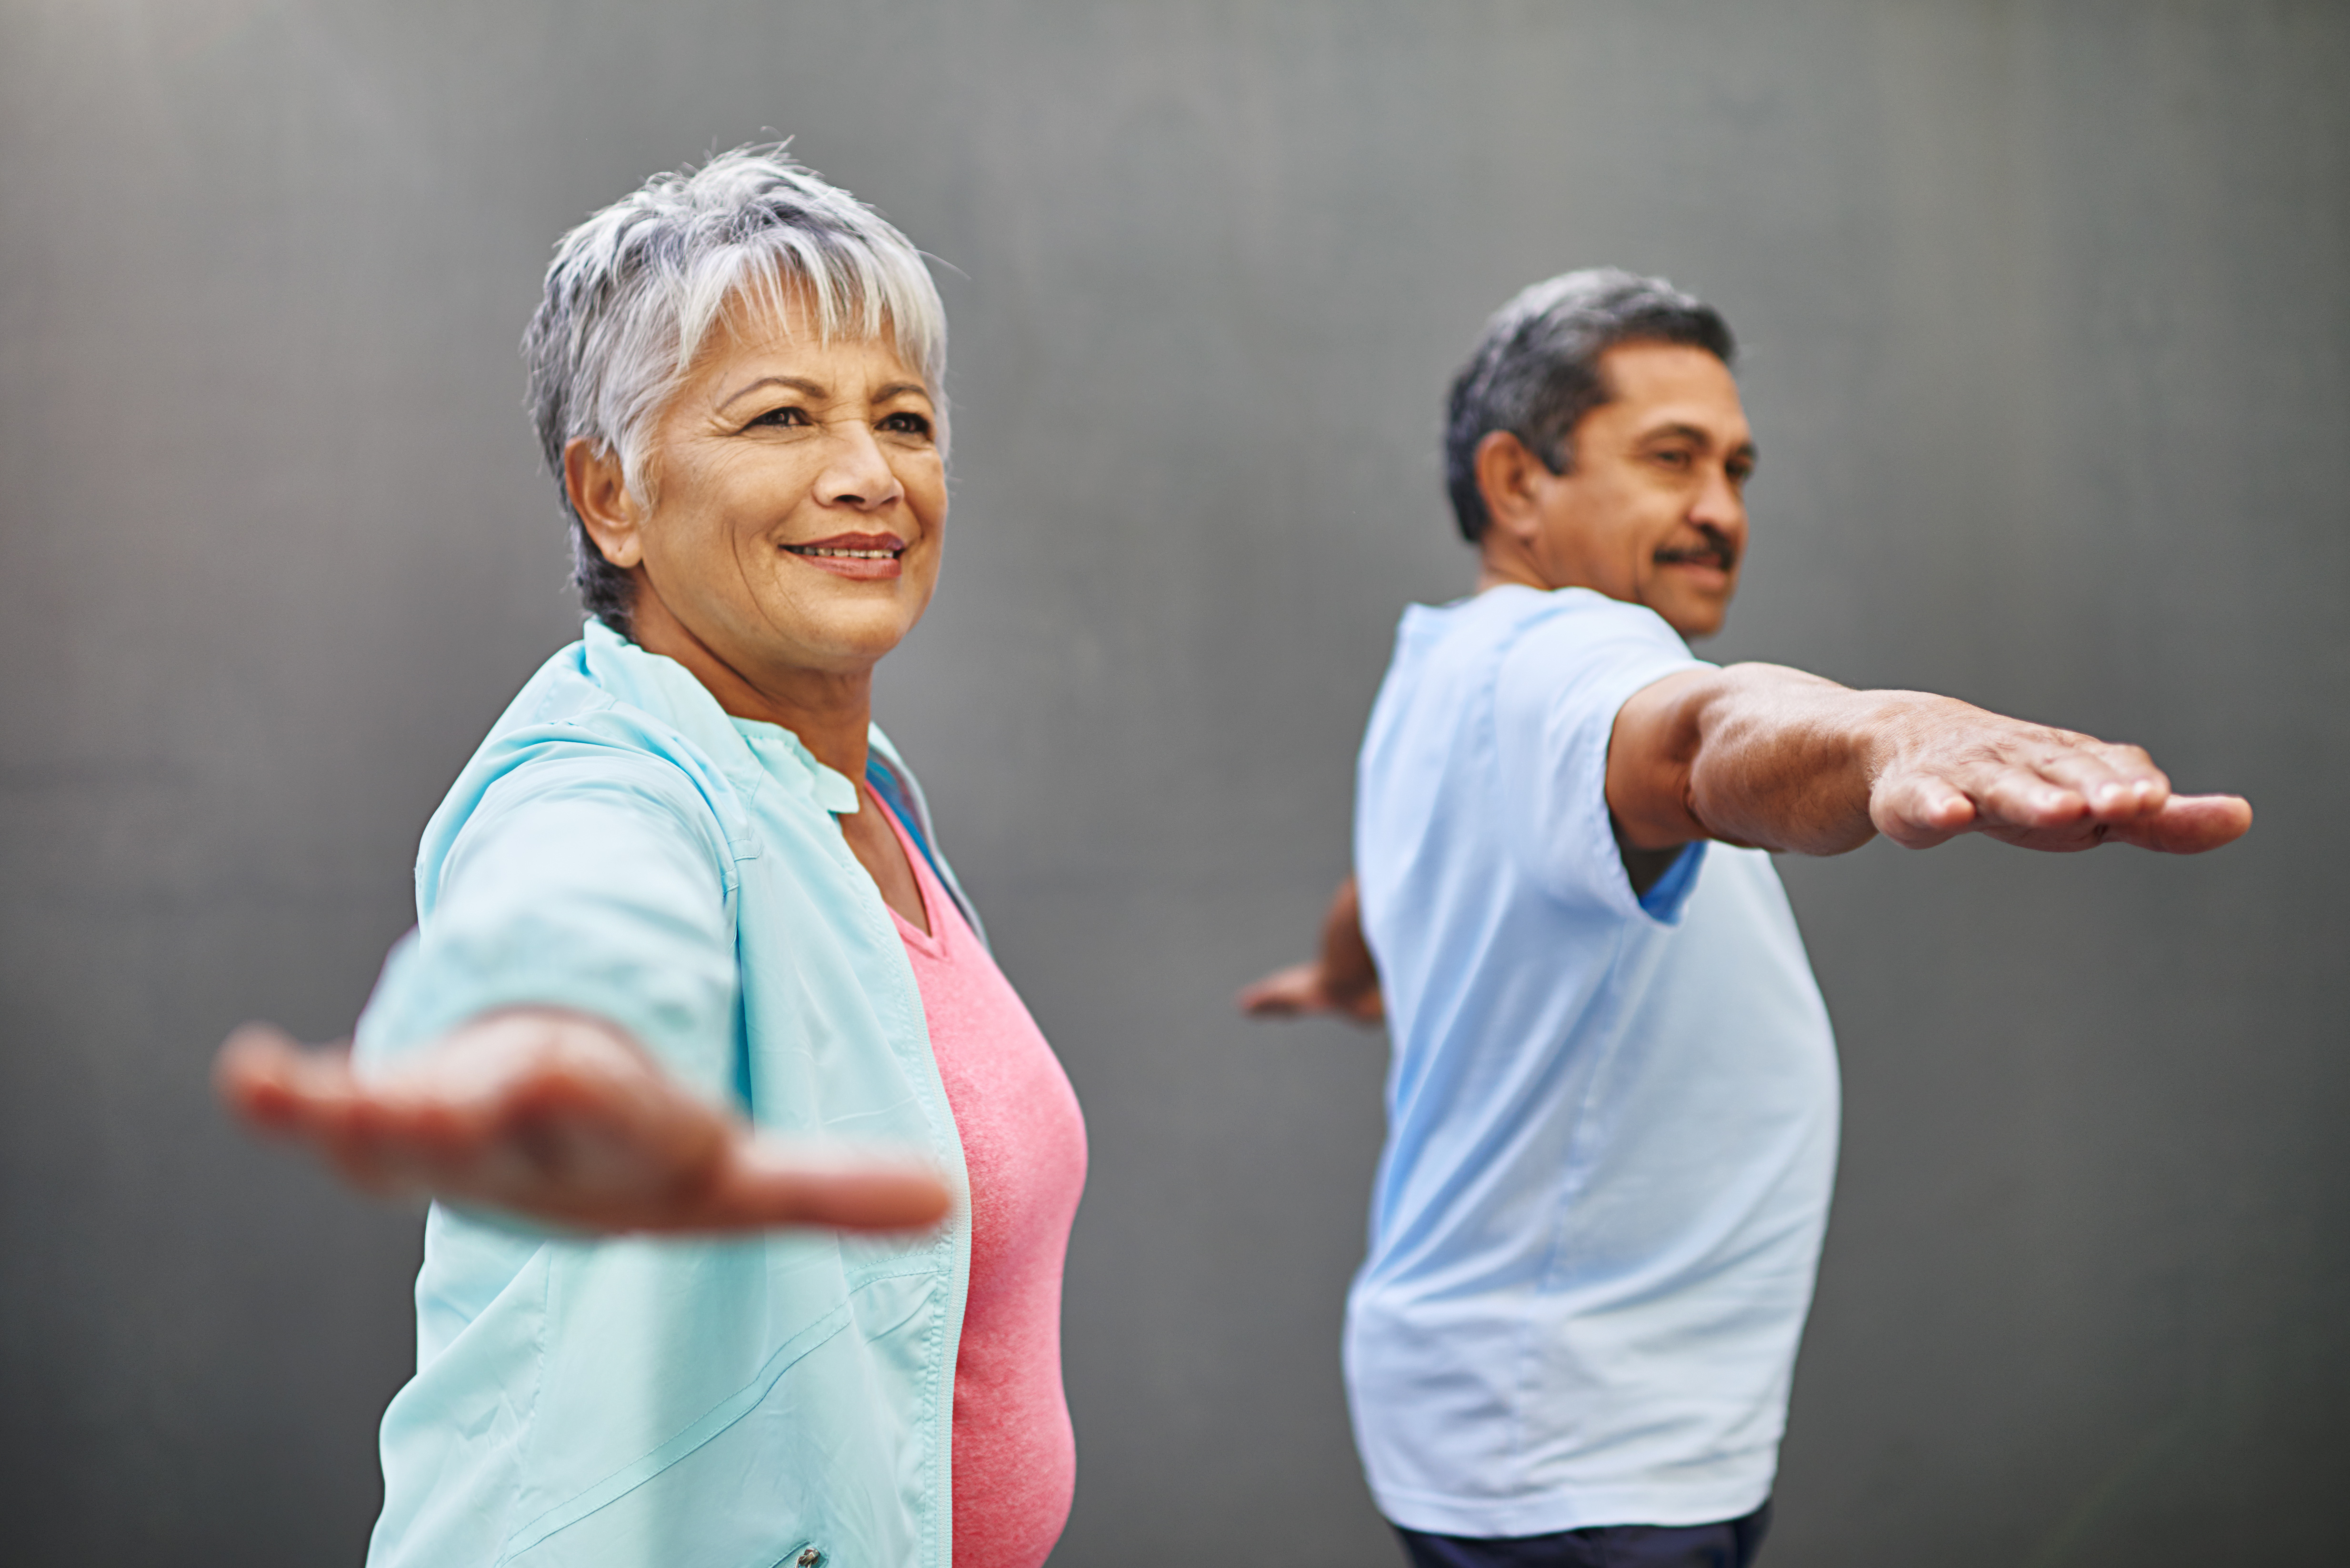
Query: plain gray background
pixel 2044 316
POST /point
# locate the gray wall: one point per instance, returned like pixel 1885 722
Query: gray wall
pixel 2045 316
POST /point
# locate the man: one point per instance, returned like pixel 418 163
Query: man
pixel 1612 1109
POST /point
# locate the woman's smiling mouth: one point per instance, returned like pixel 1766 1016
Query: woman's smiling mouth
pixel 867 557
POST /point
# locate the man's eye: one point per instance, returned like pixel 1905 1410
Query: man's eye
pixel 907 424
pixel 1672 459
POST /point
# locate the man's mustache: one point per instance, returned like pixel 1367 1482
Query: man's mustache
pixel 1717 551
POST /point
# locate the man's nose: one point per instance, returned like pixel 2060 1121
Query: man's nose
pixel 855 473
pixel 1719 504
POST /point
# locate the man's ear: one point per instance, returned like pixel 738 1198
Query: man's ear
pixel 1506 480
pixel 599 494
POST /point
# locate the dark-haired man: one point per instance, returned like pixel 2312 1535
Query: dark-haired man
pixel 1612 1107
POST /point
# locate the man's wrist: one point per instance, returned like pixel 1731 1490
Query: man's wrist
pixel 1887 730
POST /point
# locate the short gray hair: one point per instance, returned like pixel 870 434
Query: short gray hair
pixel 634 291
pixel 1536 372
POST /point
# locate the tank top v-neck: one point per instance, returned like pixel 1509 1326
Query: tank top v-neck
pixel 1023 1144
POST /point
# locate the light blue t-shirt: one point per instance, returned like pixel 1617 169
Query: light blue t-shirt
pixel 1611 1120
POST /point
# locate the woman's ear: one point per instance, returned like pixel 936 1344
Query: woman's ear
pixel 599 494
pixel 1505 479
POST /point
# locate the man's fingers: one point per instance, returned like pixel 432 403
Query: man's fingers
pixel 2019 798
pixel 2025 808
pixel 1285 993
pixel 2115 783
pixel 2189 824
pixel 762 1185
pixel 1921 811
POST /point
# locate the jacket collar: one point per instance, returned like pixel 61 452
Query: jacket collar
pixel 746 750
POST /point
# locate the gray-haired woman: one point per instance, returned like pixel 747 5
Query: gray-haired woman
pixel 684 914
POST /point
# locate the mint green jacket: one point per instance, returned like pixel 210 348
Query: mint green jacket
pixel 619 846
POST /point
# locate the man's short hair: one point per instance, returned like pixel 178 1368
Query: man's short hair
pixel 1536 372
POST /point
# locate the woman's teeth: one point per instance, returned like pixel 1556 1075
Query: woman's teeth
pixel 845 555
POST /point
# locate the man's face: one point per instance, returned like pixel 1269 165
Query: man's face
pixel 1653 509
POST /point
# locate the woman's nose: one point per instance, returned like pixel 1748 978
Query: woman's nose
pixel 857 474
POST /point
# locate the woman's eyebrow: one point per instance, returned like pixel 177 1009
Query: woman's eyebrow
pixel 807 387
pixel 899 390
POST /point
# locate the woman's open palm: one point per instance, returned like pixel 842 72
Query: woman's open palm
pixel 557 1117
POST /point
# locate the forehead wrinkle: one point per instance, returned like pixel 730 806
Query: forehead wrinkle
pixel 1673 425
pixel 796 383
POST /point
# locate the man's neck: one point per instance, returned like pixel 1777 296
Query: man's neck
pixel 1487 577
pixel 1498 566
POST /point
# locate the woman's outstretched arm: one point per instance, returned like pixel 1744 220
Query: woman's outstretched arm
pixel 560 1118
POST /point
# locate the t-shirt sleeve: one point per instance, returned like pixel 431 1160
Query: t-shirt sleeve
pixel 599 885
pixel 1560 686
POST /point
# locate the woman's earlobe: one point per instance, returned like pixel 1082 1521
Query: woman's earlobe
pixel 599 495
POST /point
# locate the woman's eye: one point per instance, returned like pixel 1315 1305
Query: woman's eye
pixel 787 415
pixel 907 424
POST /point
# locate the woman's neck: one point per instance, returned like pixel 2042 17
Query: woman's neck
pixel 830 712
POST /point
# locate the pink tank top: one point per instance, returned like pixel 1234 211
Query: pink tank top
pixel 1024 1143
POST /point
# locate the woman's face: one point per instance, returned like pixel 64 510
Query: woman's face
pixel 793 499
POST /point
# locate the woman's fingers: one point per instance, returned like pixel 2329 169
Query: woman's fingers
pixel 564 1121
pixel 764 1183
pixel 276 1086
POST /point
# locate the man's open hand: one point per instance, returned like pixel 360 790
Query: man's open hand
pixel 1304 989
pixel 1341 980
pixel 1946 768
pixel 1758 754
pixel 557 1117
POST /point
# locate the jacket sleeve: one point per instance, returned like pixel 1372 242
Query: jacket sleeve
pixel 592 881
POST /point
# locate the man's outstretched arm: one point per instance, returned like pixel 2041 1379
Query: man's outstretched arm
pixel 1760 755
pixel 1771 757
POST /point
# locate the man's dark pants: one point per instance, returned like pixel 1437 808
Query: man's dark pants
pixel 1730 1544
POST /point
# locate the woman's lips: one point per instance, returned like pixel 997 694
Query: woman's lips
pixel 863 557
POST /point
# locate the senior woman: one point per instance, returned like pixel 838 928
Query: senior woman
pixel 681 920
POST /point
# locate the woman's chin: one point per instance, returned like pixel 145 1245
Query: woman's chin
pixel 843 640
